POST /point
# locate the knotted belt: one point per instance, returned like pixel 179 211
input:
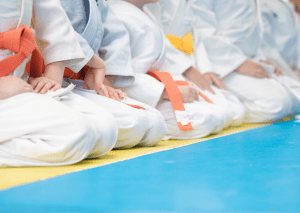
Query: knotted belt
pixel 171 86
pixel 182 117
pixel 22 42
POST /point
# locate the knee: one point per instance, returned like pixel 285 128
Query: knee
pixel 216 119
pixel 157 128
pixel 280 106
pixel 238 114
pixel 107 133
pixel 132 131
pixel 274 107
pixel 78 139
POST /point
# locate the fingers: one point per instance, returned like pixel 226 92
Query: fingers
pixel 102 90
pixel 209 80
pixel 46 87
pixel 209 89
pixel 262 75
pixel 196 96
pixel 259 72
pixel 114 95
pixel 219 83
pixel 99 79
pixel 43 85
pixel 39 86
pixel 121 94
pixel 267 62
pixel 194 93
pixel 206 82
pixel 252 69
pixel 33 82
pixel 55 87
pixel 278 72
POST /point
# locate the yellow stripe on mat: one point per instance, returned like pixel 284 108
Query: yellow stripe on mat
pixel 10 177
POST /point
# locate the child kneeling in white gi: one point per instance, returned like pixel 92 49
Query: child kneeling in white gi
pixel 185 117
pixel 175 19
pixel 232 34
pixel 36 129
pixel 138 123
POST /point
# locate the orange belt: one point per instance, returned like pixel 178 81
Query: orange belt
pixel 131 105
pixel 175 98
pixel 77 76
pixel 22 42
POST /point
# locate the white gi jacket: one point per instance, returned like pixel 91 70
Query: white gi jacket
pixel 231 31
pixel 78 14
pixel 148 45
pixel 147 49
pixel 106 36
pixel 281 31
pixel 39 130
pixel 175 18
pixel 55 45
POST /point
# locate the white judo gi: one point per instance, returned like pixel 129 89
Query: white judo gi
pixel 281 35
pixel 38 130
pixel 232 32
pixel 148 54
pixel 106 34
pixel 175 18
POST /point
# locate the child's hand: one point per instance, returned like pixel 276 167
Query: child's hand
pixel 53 78
pixel 252 69
pixel 193 75
pixel 213 79
pixel 115 93
pixel 11 86
pixel 94 81
pixel 42 85
pixel 277 70
pixel 188 94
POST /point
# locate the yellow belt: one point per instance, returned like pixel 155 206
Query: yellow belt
pixel 184 44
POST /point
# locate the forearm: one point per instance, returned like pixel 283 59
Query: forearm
pixel 192 75
pixel 96 62
pixel 55 71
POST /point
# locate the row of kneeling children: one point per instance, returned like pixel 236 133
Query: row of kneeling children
pixel 79 78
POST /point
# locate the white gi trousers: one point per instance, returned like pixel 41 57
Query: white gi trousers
pixel 36 130
pixel 136 127
pixel 205 118
pixel 265 99
pixel 229 104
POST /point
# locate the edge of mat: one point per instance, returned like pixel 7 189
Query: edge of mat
pixel 13 177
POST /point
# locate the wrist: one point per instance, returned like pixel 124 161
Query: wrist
pixel 97 63
pixel 55 71
pixel 188 72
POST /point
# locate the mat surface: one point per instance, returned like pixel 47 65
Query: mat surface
pixel 10 177
pixel 253 171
